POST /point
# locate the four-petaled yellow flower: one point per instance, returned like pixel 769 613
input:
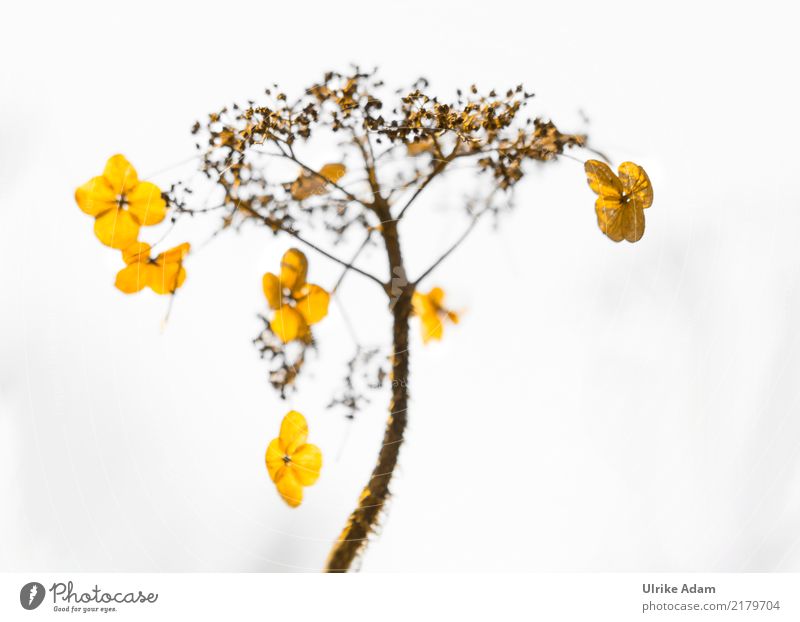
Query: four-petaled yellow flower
pixel 297 304
pixel 163 275
pixel 308 183
pixel 431 311
pixel 292 463
pixel 621 201
pixel 120 203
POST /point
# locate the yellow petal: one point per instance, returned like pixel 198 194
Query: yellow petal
pixel 272 289
pixel 422 304
pixel 294 267
pixel 436 296
pixel 116 228
pixel 132 278
pixel 306 462
pixel 137 252
pixel 431 327
pixel 175 254
pixel 120 174
pixel 274 458
pixel 313 305
pixel 146 204
pixel 294 432
pixel 602 179
pixel 289 488
pixel 96 196
pixel 333 172
pixel 288 324
pixel 636 184
pixel 166 278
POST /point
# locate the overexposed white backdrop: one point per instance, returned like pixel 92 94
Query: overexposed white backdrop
pixel 601 406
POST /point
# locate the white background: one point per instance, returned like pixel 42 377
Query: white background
pixel 601 406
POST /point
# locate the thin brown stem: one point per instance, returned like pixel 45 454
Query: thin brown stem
pixel 453 247
pixel 352 261
pixel 341 262
pixel 362 521
pixel 438 168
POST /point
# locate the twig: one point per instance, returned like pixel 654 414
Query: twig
pixel 352 261
pixel 455 245
pixel 322 251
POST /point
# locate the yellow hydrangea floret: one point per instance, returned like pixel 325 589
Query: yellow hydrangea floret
pixel 291 462
pixel 163 275
pixel 621 200
pixel 431 311
pixel 120 203
pixel 296 303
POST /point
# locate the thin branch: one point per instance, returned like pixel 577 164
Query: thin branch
pixel 352 261
pixel 440 166
pixel 452 248
pixel 369 164
pixel 322 251
pixel 290 156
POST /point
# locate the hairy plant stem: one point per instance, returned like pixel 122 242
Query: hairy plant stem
pixel 364 518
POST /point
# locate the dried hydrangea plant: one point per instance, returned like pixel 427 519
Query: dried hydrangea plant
pixel 389 153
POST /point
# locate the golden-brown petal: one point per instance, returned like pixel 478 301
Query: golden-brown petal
pixel 274 458
pixel 132 278
pixel 116 228
pixel 289 488
pixel 96 196
pixel 609 218
pixel 306 185
pixel 120 174
pixel 313 305
pixel 419 147
pixel 146 203
pixel 636 184
pixel 288 324
pixel 294 268
pixel 136 253
pixel 272 289
pixel 294 432
pixel 632 224
pixel 602 179
pixel 306 463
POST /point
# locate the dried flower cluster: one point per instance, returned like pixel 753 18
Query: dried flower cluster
pixel 350 158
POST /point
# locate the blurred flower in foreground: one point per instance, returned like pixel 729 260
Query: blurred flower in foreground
pixel 163 275
pixel 297 304
pixel 308 183
pixel 120 203
pixel 621 201
pixel 291 462
pixel 431 311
